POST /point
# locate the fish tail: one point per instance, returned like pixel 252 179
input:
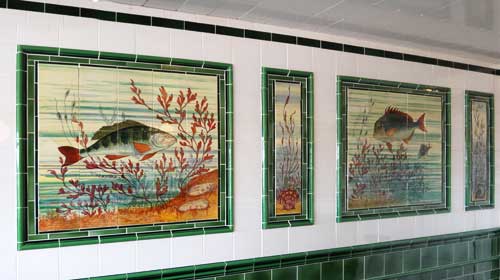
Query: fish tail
pixel 421 123
pixel 71 155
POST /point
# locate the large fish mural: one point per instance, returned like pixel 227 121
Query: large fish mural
pixel 127 138
pixel 395 126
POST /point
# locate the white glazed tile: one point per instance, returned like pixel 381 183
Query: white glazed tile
pixel 275 241
pixel 117 258
pixel 367 66
pixel 299 58
pixel 217 48
pixel 218 247
pixel 480 82
pixel 368 231
pixel 470 222
pixel 117 37
pixel 78 261
pixel 79 33
pixel 186 44
pixel 41 30
pixel 441 76
pixel 347 233
pixel 273 55
pixel 187 250
pixel 247 244
pixel 399 228
pixel 37 264
pixel 310 238
pixel 347 64
pixel 9 21
pixel 152 40
pixel 425 225
pixel 153 254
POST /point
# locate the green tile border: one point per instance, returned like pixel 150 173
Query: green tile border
pixel 28 58
pixel 269 218
pixel 488 98
pixel 384 260
pixel 346 82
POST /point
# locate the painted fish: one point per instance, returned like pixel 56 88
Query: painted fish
pixel 127 138
pixel 395 125
pixel 424 150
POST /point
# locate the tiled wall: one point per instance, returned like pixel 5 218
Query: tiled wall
pixel 248 240
pixel 453 256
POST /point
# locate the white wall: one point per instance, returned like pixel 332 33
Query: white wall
pixel 247 56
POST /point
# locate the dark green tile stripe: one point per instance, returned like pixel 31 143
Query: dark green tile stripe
pixel 437 257
pixel 231 31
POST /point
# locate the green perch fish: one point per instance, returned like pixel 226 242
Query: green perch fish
pixel 395 125
pixel 127 138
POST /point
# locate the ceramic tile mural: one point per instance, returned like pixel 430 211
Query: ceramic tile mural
pixel 480 150
pixel 394 147
pixel 287 121
pixel 124 145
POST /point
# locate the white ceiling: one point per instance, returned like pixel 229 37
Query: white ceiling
pixel 468 26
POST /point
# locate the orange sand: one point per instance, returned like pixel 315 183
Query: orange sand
pixel 281 211
pixel 166 213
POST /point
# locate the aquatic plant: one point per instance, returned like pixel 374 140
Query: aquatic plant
pixel 479 148
pixel 85 199
pixel 197 138
pixel 382 176
pixel 289 177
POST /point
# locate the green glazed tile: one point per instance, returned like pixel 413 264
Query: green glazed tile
pixel 445 254
pixel 429 257
pixel 354 268
pixel 393 263
pixel 286 273
pixel 232 277
pixel 460 252
pixel 374 266
pixel 259 275
pixel 309 272
pixel 411 260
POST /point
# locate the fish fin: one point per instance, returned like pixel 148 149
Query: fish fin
pixel 407 140
pixel 389 146
pixel 148 156
pixel 142 148
pixel 115 157
pixel 71 155
pixel 106 130
pixel 391 131
pixel 421 123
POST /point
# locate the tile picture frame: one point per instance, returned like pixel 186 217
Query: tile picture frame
pixel 39 73
pixel 480 150
pixel 287 132
pixel 393 140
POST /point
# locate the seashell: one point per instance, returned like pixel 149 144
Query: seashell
pixel 199 204
pixel 200 189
